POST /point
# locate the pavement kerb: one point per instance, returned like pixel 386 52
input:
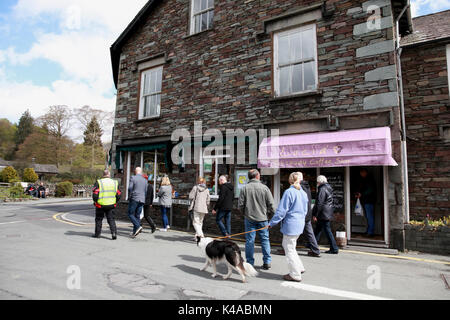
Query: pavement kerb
pixel 79 224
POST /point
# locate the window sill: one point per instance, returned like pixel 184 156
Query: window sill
pixel 147 119
pixel 196 34
pixel 316 92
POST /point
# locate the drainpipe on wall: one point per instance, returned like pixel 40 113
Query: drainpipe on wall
pixel 398 50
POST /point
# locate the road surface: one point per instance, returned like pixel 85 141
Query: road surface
pixel 46 252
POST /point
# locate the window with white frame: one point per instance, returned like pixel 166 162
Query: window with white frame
pixel 202 14
pixel 150 97
pixel 213 165
pixel 295 61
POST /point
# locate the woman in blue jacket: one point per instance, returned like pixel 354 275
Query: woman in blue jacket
pixel 291 213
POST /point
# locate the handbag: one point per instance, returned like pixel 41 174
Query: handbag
pixel 358 208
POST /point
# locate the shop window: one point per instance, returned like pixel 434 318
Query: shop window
pixel 211 168
pixel 295 61
pixel 202 14
pixel 150 94
pixel 153 165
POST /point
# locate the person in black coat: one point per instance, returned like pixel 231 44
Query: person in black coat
pixel 224 206
pixel 308 231
pixel 41 190
pixel 148 204
pixel 323 213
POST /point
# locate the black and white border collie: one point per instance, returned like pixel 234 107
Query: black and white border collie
pixel 224 251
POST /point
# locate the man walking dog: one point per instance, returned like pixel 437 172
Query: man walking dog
pixel 256 202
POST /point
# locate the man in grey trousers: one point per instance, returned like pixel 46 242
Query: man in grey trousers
pixel 256 202
pixel 137 191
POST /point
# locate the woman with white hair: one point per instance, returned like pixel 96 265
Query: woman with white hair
pixel 323 213
pixel 291 213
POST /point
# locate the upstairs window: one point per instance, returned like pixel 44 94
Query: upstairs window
pixel 295 61
pixel 202 14
pixel 150 97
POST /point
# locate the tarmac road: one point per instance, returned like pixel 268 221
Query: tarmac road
pixel 46 252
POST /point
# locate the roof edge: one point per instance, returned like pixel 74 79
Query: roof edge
pixel 116 47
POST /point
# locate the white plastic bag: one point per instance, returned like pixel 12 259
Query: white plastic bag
pixel 358 208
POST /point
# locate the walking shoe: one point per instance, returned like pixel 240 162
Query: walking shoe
pixel 137 232
pixel 287 277
pixel 153 229
pixel 168 227
pixel 163 230
pixel 114 236
pixel 332 252
pixel 96 236
pixel 312 254
pixel 266 266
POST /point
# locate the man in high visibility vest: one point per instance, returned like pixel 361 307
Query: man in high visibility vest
pixel 105 194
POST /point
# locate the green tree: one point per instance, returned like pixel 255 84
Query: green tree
pixel 93 140
pixel 93 133
pixel 8 133
pixel 29 175
pixel 44 147
pixel 9 174
pixel 64 189
pixel 25 127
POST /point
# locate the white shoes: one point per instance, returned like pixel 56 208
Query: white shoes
pixel 163 229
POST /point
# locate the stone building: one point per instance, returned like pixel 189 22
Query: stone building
pixel 425 65
pixel 322 73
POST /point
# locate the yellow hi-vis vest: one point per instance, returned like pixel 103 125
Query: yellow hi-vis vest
pixel 107 191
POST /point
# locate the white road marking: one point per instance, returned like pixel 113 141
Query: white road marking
pixel 333 292
pixel 11 222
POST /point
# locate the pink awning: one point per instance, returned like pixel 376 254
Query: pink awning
pixel 363 147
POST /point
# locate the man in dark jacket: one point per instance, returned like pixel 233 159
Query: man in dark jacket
pixel 148 204
pixel 224 206
pixel 137 191
pixel 105 194
pixel 41 190
pixel 308 231
pixel 323 212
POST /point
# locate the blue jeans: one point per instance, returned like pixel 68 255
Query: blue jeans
pixel 369 208
pixel 250 241
pixel 323 225
pixel 134 213
pixel 164 216
pixel 224 214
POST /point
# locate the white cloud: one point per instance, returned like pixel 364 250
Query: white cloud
pixel 421 7
pixel 18 97
pixel 83 57
pixel 80 45
pixel 112 14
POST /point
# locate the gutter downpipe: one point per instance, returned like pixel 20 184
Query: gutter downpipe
pixel 398 50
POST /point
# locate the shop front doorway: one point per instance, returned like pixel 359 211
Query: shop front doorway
pixel 372 188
